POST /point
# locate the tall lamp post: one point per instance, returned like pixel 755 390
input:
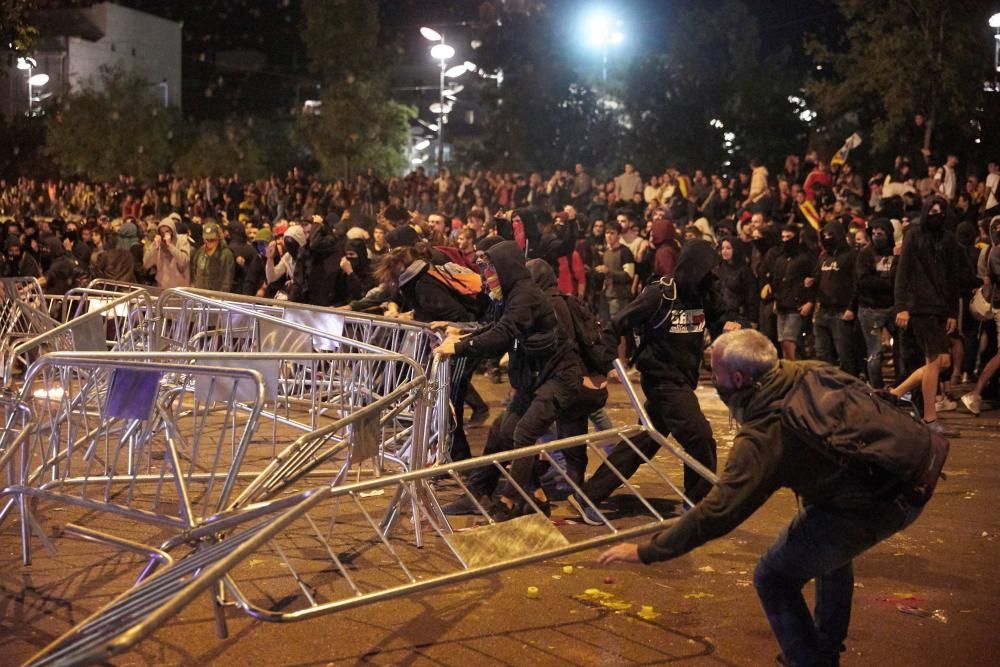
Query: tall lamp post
pixel 34 80
pixel 442 53
pixel 604 31
pixel 995 24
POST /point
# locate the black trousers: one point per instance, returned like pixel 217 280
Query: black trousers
pixel 562 400
pixel 674 409
pixel 461 383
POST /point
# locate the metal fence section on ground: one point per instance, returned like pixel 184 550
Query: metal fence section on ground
pixel 165 440
pixel 323 551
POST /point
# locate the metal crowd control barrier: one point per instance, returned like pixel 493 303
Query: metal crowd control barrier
pixel 321 551
pixel 166 440
pixel 114 324
pixel 232 322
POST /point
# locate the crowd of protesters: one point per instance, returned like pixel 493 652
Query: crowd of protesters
pixel 865 271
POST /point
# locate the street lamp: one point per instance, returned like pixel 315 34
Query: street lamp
pixel 603 31
pixel 995 24
pixel 27 64
pixel 442 53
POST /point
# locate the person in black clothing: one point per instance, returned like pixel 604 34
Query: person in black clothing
pixel 876 276
pixel 244 255
pixel 843 512
pixel 545 369
pixel 669 358
pixel 407 272
pixel 738 298
pixel 786 280
pixel 62 271
pixel 927 299
pixel 833 321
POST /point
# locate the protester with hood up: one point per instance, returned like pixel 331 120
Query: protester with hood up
pixel 989 272
pixel 876 276
pixel 663 240
pixel 671 348
pixel 545 368
pixel 114 262
pixel 62 271
pixel 283 271
pixel 786 281
pixel 20 263
pixel 927 301
pixel 169 259
pixel 836 301
pixel 244 255
pixel 738 300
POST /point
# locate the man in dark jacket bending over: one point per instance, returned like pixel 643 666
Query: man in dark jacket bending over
pixel 842 515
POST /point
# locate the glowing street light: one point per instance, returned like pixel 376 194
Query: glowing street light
pixel 422 144
pixel 431 34
pixel 601 31
pixel 995 24
pixel 442 53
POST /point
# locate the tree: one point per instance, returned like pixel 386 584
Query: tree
pixel 112 126
pixel 899 57
pixel 358 124
pixel 16 29
pixel 358 127
pixel 221 149
pixel 543 115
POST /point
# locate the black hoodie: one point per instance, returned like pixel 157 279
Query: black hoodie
pixel 835 275
pixel 787 276
pixel 928 266
pixel 673 351
pixel 876 270
pixel 526 329
pixel 61 273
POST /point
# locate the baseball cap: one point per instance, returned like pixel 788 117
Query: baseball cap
pixel 210 231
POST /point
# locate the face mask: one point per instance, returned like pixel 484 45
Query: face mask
pixel 880 241
pixel 735 399
pixel 829 244
pixel 934 220
pixel 291 247
pixel 73 235
pixel 995 235
pixel 492 280
pixel 790 245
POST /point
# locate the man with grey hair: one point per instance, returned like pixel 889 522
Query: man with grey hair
pixel 844 513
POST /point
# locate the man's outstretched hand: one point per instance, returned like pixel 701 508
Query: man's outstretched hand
pixel 625 552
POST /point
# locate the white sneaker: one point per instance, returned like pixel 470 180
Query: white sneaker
pixel 972 403
pixel 945 404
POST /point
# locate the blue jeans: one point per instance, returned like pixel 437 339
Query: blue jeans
pixel 873 320
pixel 820 544
pixel 834 341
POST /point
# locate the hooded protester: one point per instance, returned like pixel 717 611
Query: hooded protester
pixel 876 276
pixel 738 300
pixel 212 264
pixel 169 259
pixel 663 240
pixel 545 368
pixel 244 255
pixel 280 273
pixel 317 268
pixel 20 263
pixel 927 300
pixel 355 277
pixel 62 271
pixel 786 280
pixel 836 301
pixel 671 347
pixel 114 262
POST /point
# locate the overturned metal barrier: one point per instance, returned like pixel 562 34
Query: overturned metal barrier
pixel 323 550
pixel 165 440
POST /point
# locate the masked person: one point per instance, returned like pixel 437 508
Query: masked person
pixel 876 277
pixel 669 356
pixel 927 300
pixel 989 271
pixel 836 308
pixel 545 368
pixel 793 294
pixel 846 510
pixel 282 270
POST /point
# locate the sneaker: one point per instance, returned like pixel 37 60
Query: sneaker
pixel 588 515
pixel 479 417
pixel 464 505
pixel 973 403
pixel 945 404
pixel 941 428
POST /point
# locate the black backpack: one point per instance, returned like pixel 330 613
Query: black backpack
pixel 866 431
pixel 597 347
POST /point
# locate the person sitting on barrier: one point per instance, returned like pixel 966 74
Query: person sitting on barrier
pixel 671 323
pixel 545 368
pixel 848 506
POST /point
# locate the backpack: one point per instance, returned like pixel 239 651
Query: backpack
pixel 466 285
pixel 597 348
pixel 866 431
